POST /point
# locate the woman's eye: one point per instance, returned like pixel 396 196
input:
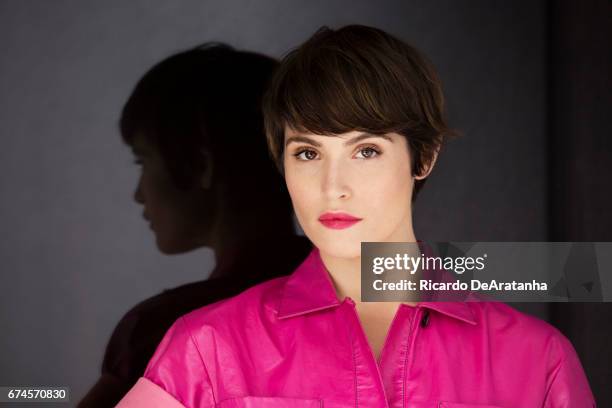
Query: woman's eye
pixel 367 153
pixel 306 155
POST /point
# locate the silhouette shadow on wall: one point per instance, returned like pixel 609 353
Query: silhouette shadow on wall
pixel 195 126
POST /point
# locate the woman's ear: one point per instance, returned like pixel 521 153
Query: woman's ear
pixel 206 177
pixel 427 168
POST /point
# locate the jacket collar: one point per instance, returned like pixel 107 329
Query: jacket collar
pixel 310 288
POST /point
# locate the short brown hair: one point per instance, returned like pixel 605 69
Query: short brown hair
pixel 357 78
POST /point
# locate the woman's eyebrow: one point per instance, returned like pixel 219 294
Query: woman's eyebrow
pixel 349 142
pixel 363 136
pixel 303 139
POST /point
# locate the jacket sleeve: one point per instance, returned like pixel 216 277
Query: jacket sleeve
pixel 568 387
pixel 175 376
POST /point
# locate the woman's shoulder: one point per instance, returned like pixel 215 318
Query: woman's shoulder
pixel 253 304
pixel 501 314
pixel 549 353
pixel 194 343
pixel 531 332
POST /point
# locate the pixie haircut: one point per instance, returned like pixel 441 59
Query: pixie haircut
pixel 358 78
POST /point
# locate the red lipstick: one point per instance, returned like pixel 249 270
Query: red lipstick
pixel 338 220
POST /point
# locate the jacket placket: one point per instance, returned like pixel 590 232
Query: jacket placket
pixel 383 383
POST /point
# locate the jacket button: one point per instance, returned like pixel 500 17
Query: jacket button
pixel 425 319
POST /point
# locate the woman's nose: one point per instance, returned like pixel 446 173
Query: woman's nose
pixel 334 183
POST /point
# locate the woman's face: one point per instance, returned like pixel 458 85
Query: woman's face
pixel 349 188
pixel 179 218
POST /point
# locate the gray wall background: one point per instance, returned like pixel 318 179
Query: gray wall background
pixel 75 254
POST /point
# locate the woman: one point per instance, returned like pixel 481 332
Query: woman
pixel 355 121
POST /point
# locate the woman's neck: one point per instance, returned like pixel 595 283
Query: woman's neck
pixel 345 273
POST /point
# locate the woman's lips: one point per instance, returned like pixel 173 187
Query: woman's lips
pixel 338 220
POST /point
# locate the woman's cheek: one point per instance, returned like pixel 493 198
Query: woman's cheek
pixel 296 190
pixel 301 195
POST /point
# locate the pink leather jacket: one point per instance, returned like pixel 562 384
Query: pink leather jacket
pixel 290 342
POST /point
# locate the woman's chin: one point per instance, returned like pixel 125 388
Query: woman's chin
pixel 340 248
pixel 337 243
